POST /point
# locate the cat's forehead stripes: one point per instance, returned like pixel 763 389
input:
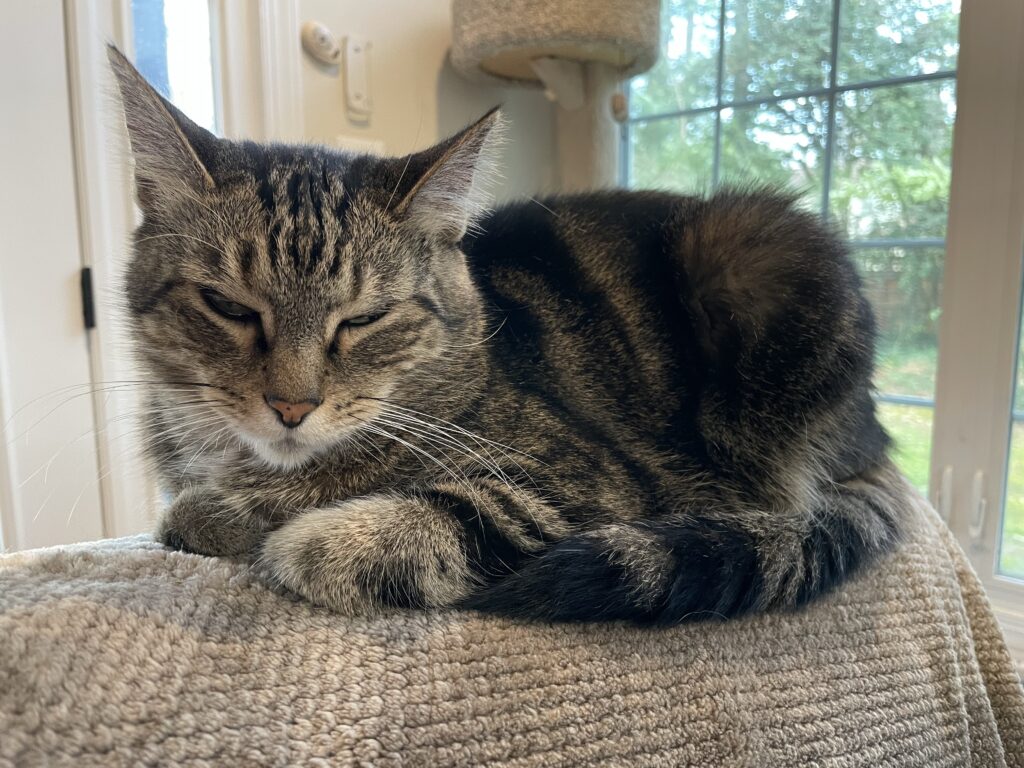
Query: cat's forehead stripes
pixel 305 202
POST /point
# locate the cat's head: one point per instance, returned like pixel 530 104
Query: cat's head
pixel 283 292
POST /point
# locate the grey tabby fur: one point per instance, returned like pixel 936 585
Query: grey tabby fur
pixel 619 405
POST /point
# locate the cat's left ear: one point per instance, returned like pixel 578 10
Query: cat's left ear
pixel 454 191
pixel 169 149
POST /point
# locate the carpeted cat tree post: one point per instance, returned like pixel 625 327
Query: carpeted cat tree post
pixel 579 51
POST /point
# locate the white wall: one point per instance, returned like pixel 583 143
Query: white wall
pixel 418 98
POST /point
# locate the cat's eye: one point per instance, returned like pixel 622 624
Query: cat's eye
pixel 361 320
pixel 224 307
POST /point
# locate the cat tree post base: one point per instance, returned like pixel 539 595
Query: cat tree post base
pixel 586 130
pixel 580 51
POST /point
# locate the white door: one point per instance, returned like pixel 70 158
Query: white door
pixel 49 477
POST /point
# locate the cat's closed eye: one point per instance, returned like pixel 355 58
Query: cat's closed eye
pixel 360 320
pixel 224 307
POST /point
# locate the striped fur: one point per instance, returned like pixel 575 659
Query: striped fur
pixel 608 406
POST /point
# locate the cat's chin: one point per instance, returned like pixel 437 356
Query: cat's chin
pixel 286 453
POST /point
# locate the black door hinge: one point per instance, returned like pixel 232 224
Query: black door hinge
pixel 88 308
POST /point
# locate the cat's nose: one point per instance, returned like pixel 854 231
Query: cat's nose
pixel 291 414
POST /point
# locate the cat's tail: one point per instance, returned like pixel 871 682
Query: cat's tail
pixel 692 568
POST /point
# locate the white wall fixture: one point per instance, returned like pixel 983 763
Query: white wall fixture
pixel 350 57
pixel 320 43
pixel 579 52
pixel 417 97
pixel 357 78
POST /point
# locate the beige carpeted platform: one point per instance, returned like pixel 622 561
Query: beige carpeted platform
pixel 123 653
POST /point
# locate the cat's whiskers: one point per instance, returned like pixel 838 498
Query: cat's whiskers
pixel 495 332
pixel 88 483
pixel 174 430
pixel 199 451
pixel 546 208
pixel 46 415
pixel 404 167
pixel 94 431
pixel 438 436
pixel 366 447
pixel 91 389
pixel 482 443
pixel 455 474
pixel 193 428
pixel 440 445
pixel 494 469
pixel 207 243
pixel 89 386
pixel 456 427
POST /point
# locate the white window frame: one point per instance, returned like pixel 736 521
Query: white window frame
pixel 258 69
pixel 981 295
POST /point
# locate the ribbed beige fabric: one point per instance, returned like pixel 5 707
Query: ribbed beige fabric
pixel 497 40
pixel 122 653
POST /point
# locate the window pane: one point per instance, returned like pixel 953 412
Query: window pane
pixel 775 48
pixel 673 153
pixel 780 143
pixel 686 74
pixel 1011 550
pixel 910 427
pixel 881 39
pixel 904 286
pixel 891 160
pixel 173 51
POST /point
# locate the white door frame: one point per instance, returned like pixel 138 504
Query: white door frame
pixel 106 216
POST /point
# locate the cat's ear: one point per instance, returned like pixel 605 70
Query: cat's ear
pixel 454 190
pixel 166 145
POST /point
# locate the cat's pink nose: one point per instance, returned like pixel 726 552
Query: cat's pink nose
pixel 291 414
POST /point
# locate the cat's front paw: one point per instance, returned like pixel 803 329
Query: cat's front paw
pixel 199 523
pixel 366 555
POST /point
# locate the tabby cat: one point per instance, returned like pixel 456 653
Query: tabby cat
pixel 617 405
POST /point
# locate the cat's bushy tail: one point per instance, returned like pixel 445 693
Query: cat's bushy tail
pixel 680 568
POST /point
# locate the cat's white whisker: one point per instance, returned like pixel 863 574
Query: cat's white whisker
pixel 207 243
pixel 495 332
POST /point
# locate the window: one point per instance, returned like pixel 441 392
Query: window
pixel 173 50
pixel 1011 549
pixel 851 104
